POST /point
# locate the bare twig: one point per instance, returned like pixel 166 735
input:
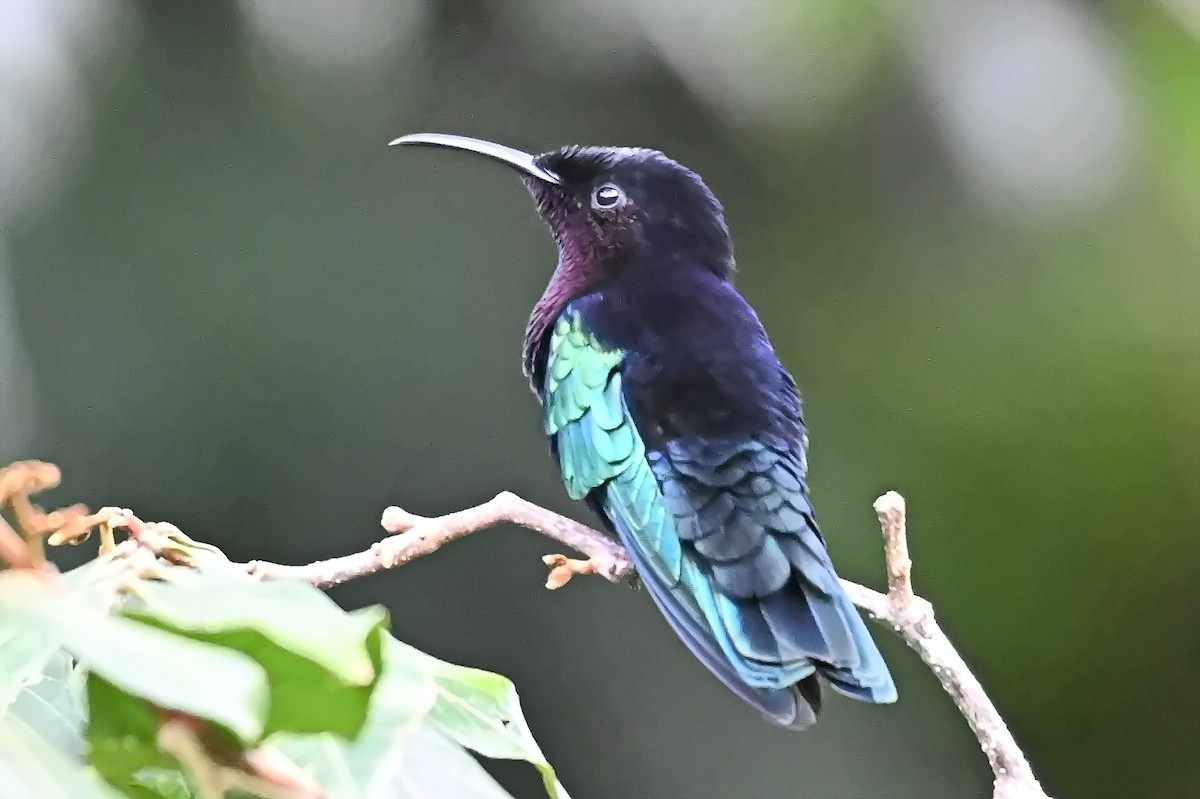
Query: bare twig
pixel 912 619
pixel 890 510
pixel 419 535
pixel 908 615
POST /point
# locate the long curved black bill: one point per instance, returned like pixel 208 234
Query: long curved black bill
pixel 514 158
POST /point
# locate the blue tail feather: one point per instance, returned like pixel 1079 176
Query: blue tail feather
pixel 758 594
pixel 795 707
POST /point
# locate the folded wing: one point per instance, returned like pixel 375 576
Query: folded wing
pixel 722 534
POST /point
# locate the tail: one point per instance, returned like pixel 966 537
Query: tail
pixel 794 707
pixel 751 592
pixel 869 680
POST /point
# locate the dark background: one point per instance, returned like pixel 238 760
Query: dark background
pixel 972 227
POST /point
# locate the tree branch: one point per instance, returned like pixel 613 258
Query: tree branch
pixel 417 536
pixel 908 615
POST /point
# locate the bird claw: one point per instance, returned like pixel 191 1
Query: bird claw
pixel 562 569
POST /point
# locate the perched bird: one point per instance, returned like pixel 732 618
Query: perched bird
pixel 670 415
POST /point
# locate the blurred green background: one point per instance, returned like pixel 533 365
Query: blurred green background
pixel 972 227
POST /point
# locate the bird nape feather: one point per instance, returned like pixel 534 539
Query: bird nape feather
pixel 670 415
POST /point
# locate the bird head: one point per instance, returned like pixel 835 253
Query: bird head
pixel 615 207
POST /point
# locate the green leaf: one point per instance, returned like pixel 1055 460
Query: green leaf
pixel 482 711
pixel 24 650
pixel 51 704
pixel 157 783
pixel 123 731
pixel 360 768
pixel 321 662
pixel 432 767
pixel 168 670
pixel 363 714
pixel 30 768
pixel 423 713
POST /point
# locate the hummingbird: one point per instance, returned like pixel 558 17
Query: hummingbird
pixel 669 414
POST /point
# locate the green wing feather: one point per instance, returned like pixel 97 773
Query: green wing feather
pixel 597 443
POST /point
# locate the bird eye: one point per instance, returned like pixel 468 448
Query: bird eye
pixel 607 196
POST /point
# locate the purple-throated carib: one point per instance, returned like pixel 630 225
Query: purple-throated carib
pixel 670 415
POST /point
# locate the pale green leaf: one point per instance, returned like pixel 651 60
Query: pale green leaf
pixel 421 771
pixel 481 711
pixel 321 662
pixel 399 706
pixel 51 704
pixel 122 737
pixel 168 670
pixel 30 768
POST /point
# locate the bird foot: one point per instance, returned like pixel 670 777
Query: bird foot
pixel 562 569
